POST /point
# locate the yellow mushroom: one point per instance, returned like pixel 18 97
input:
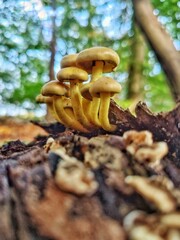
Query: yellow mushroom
pixel 58 91
pixel 68 107
pixel 68 118
pixel 43 99
pixel 104 88
pixel 52 87
pixel 95 61
pixel 48 100
pixel 86 100
pixel 69 61
pixel 49 90
pixel 75 75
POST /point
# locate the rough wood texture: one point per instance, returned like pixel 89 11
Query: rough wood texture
pixel 34 205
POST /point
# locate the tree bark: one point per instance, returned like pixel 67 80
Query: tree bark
pixel 160 42
pixel 135 80
pixel 93 199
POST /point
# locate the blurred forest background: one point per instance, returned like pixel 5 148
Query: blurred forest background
pixel 36 34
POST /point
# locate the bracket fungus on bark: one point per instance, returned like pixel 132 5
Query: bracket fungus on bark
pixel 152 192
pixel 72 176
pixel 134 140
pixel 156 226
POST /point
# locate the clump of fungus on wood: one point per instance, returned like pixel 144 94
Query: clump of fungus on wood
pixel 81 104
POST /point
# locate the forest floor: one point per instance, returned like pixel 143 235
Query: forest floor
pixel 12 129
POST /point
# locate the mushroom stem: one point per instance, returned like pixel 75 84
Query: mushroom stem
pixel 51 110
pixel 67 104
pixel 104 112
pixel 70 112
pixel 97 70
pixel 94 110
pixel 86 107
pixel 76 100
pixel 48 100
pixel 64 117
pixel 95 103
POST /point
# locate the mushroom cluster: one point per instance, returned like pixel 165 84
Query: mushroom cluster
pixel 80 103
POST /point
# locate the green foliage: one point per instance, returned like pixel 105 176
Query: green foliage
pixel 169 15
pixel 25 34
pixel 22 48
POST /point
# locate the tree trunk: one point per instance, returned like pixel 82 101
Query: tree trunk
pixel 160 42
pixel 53 42
pixel 135 80
pixel 49 117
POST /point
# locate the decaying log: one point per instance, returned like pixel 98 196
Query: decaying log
pixel 35 204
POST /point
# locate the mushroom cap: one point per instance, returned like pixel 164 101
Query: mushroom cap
pixel 69 60
pixel 54 87
pixel 87 57
pixel 72 73
pixel 44 99
pixel 104 84
pixel 85 91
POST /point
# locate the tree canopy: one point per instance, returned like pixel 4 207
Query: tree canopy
pixel 30 28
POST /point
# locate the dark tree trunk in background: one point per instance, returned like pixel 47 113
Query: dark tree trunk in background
pixel 53 53
pixel 135 80
pixel 160 42
pixel 53 43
